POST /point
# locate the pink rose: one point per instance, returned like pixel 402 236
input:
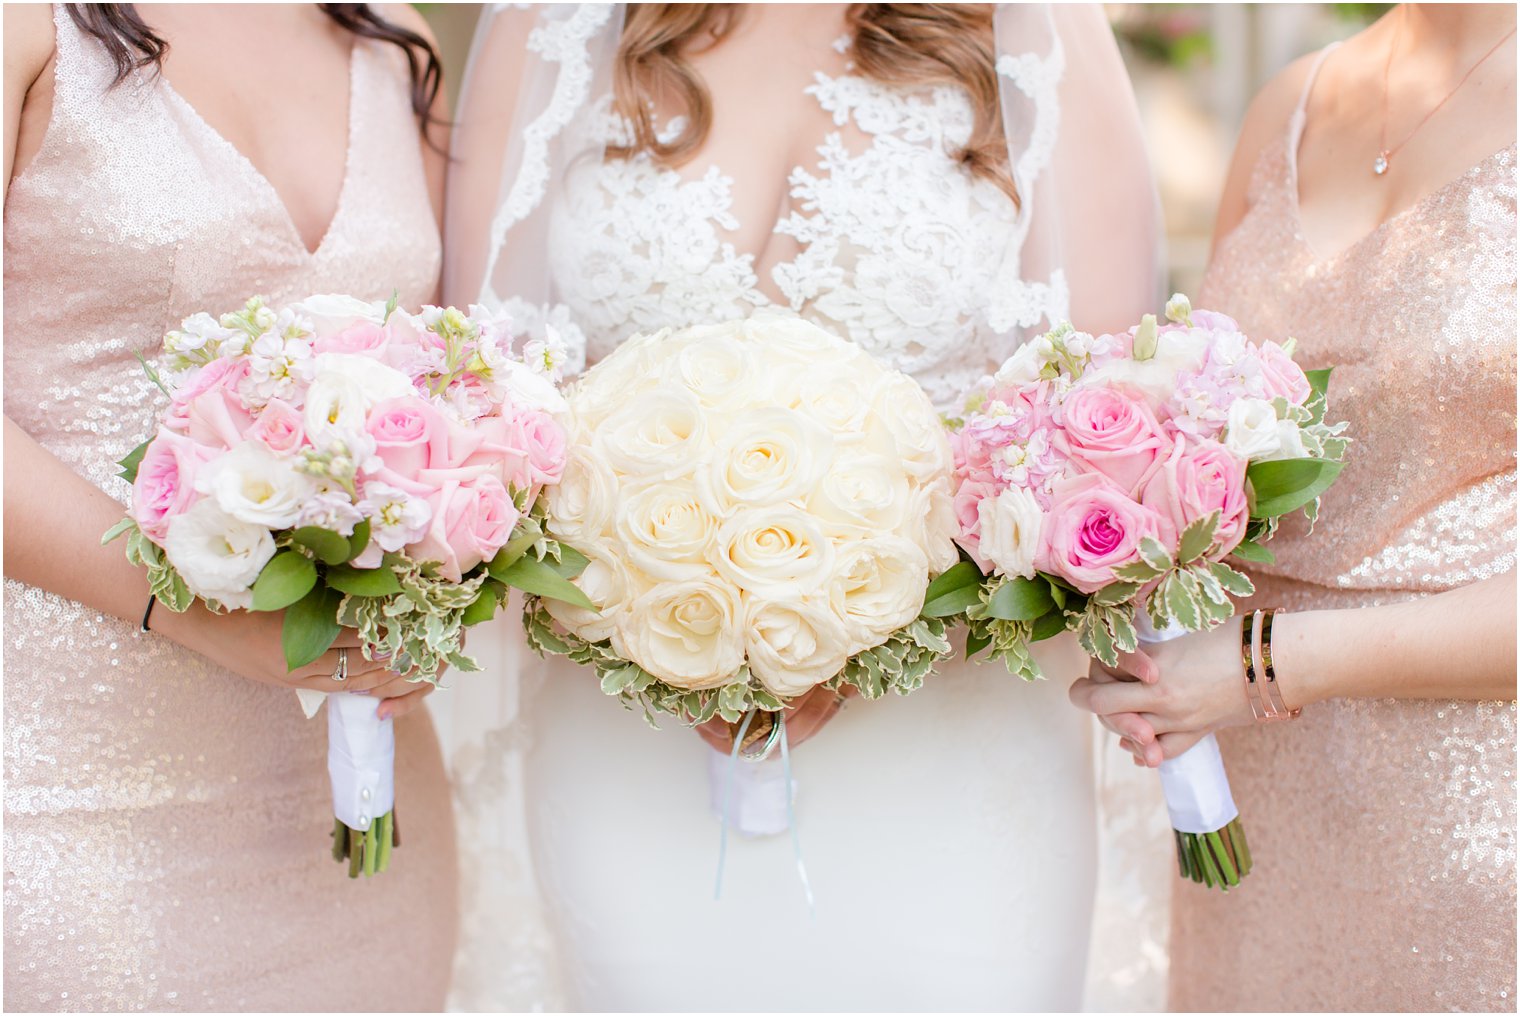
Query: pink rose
pixel 967 504
pixel 223 374
pixel 542 442
pixel 279 427
pixel 363 337
pixel 1283 376
pixel 404 430
pixel 1105 430
pixel 217 418
pixel 1093 528
pixel 165 484
pixel 452 444
pixel 1194 482
pixel 470 523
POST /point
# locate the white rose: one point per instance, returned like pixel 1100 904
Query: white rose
pixel 330 313
pixel 217 555
pixel 781 334
pixel 879 586
pixel 938 525
pixel 608 585
pixel 1010 527
pixel 834 399
pixel 1290 443
pixel 767 456
pixel 662 435
pixel 521 385
pixel 256 486
pixel 1024 366
pixel 778 551
pixel 580 505
pixel 1251 429
pixel 686 633
pixel 665 530
pixel 794 645
pixel 914 425
pixel 716 371
pixel 863 491
pixel 1177 349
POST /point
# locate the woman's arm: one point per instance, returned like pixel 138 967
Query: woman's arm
pixel 1455 645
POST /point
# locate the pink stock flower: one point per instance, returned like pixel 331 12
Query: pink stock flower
pixel 470 523
pixel 165 484
pixel 1093 528
pixel 279 428
pixel 1108 432
pixel 1196 480
pixel 404 430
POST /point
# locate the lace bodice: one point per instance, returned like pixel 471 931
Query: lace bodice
pixel 892 243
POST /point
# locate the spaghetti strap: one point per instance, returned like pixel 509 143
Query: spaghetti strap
pixel 1297 120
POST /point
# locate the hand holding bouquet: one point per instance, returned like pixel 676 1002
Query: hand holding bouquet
pixel 350 464
pixel 1102 482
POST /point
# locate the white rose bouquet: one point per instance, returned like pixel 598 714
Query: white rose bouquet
pixel 763 508
pixel 351 464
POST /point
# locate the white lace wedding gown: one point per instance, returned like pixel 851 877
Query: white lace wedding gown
pixel 949 836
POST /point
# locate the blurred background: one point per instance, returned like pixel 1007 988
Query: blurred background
pixel 1195 68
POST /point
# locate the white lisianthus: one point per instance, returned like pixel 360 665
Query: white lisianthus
pixel 580 505
pixel 767 456
pixel 1251 430
pixel 1177 349
pixel 879 586
pixel 779 551
pixel 1290 443
pixel 524 387
pixel 256 486
pixel 218 555
pixel 686 633
pixel 1010 529
pixel 1024 366
pixel 344 388
pixel 396 518
pixel 665 531
pixel 331 313
pixel 660 436
pixel 794 644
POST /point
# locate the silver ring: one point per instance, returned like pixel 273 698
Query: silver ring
pixel 341 674
pixel 763 752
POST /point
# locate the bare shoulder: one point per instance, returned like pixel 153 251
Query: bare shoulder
pixel 1270 110
pixel 29 43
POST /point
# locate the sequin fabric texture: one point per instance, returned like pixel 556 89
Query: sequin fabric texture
pixel 166 821
pixel 1383 831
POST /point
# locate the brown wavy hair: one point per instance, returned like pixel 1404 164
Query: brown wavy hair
pixel 898 44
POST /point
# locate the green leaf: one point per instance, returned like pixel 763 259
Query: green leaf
pixel 1284 485
pixel 311 625
pixel 957 576
pixel 153 375
pixel 1099 642
pixel 516 547
pixel 571 562
pixel 390 306
pixel 1057 593
pixel 124 526
pixel 132 460
pixel 1181 602
pixel 1248 551
pixel 536 577
pixel 1234 583
pixel 1049 626
pixel 614 681
pixel 329 547
pixel 483 607
pixel 1115 593
pixel 1197 538
pixel 287 577
pixel 1155 555
pixel 1137 571
pixel 363 581
pixel 358 541
pixel 975 643
pixel 1021 599
pixel 1319 381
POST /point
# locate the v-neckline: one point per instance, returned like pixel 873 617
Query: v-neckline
pixel 263 182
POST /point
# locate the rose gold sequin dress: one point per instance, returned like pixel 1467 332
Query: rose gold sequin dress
pixel 1383 831
pixel 166 822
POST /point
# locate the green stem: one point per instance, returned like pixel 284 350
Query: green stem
pixel 384 860
pixel 355 852
pixel 1219 858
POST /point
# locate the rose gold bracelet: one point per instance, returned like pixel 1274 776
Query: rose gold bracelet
pixel 1279 708
pixel 1248 664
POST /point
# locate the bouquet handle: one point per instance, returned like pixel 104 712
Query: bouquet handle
pixel 1211 843
pixel 361 762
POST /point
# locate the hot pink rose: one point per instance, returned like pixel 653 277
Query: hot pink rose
pixel 363 337
pixel 471 522
pixel 1196 481
pixel 165 484
pixel 1093 528
pixel 1283 376
pixel 404 430
pixel 1107 431
pixel 279 427
pixel 967 503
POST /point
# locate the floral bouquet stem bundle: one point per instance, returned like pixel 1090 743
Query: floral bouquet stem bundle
pixel 351 465
pixel 1102 485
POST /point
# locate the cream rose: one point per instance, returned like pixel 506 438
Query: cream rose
pixel 1010 531
pixel 716 371
pixel 922 445
pixel 767 456
pixel 931 525
pixel 879 587
pixel 794 644
pixel 580 505
pixel 686 633
pixel 779 551
pixel 218 555
pixel 865 491
pixel 608 585
pixel 659 437
pixel 665 530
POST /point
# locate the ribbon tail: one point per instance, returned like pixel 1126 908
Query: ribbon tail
pixel 791 820
pixel 728 794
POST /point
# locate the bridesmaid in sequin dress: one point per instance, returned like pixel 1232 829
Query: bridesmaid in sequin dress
pixel 166 802
pixel 1382 821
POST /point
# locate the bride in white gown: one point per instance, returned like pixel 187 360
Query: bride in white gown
pixel 949 836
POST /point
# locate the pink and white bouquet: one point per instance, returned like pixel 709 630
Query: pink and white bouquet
pixel 1102 484
pixel 352 465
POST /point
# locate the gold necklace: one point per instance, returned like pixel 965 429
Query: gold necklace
pixel 1385 154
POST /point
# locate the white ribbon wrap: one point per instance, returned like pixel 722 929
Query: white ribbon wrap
pixel 1195 786
pixel 361 759
pixel 758 805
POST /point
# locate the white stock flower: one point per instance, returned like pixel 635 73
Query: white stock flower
pixel 396 518
pixel 277 365
pixel 198 333
pixel 794 643
pixel 779 551
pixel 332 510
pixel 1010 531
pixel 879 586
pixel 686 633
pixel 256 486
pixel 1251 429
pixel 216 554
pixel 546 356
